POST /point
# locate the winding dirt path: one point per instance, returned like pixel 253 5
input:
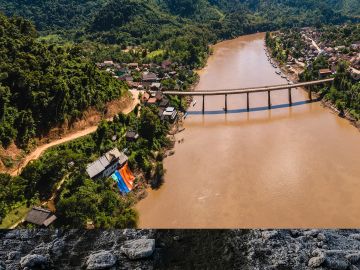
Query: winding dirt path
pixel 41 149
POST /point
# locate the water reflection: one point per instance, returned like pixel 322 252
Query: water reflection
pixel 263 108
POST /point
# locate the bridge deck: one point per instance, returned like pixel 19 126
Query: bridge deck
pixel 246 90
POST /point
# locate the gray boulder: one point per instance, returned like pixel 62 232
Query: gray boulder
pixel 100 260
pixel 337 263
pixel 355 236
pixel 138 249
pixel 2 265
pixel 13 255
pixel 353 257
pixel 34 260
pixel 315 262
pixel 57 248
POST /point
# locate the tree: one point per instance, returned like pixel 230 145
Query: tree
pixel 150 124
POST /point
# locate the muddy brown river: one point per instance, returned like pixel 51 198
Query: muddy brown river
pixel 287 167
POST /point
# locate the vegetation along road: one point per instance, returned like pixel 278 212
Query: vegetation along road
pixel 41 149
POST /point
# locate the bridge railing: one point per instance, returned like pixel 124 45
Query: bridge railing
pixel 248 91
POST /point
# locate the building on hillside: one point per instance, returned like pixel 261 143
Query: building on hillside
pixel 355 46
pixel 170 114
pixel 133 65
pixel 155 86
pixel 151 101
pixel 145 97
pixel 159 96
pixel 148 78
pixel 166 64
pixel 40 217
pixel 355 74
pixel 164 103
pixel 131 136
pixel 108 63
pixel 324 72
pixel 107 164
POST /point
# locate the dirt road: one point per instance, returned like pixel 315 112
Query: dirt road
pixel 41 149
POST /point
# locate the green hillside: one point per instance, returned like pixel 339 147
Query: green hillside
pixel 43 85
pixel 139 17
pixel 53 14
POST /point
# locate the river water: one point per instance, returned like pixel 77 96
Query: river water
pixel 287 167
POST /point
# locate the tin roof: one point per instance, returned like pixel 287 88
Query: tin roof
pixel 103 162
pixel 40 216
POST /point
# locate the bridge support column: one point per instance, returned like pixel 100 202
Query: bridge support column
pixel 310 94
pixel 269 100
pixel 290 97
pixel 226 106
pixel 203 104
pixel 247 101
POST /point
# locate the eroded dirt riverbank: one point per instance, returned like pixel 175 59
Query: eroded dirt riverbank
pixel 287 167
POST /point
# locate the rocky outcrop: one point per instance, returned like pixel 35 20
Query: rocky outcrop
pixel 32 261
pixel 139 249
pixel 101 260
pixel 2 265
pixel 69 249
pixel 148 249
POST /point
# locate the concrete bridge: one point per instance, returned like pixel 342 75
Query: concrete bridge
pixel 248 91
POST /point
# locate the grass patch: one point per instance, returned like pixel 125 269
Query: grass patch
pixel 51 38
pixel 15 216
pixel 155 54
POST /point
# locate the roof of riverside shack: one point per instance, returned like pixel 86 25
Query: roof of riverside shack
pixel 112 154
pixel 50 220
pixel 149 76
pixel 123 158
pixel 131 134
pixel 324 70
pixel 157 85
pixel 38 216
pixel 99 165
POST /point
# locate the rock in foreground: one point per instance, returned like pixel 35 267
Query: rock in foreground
pixel 101 260
pixel 139 249
pixel 34 260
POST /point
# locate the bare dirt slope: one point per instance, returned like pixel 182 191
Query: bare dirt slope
pixel 36 153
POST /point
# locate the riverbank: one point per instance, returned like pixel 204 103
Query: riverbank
pixel 146 163
pixel 289 68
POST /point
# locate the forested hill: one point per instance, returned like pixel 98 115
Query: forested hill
pixel 225 17
pixel 53 14
pixel 350 7
pixel 43 85
pixel 137 21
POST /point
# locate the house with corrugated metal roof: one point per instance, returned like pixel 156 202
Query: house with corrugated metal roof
pixel 107 164
pixel 40 216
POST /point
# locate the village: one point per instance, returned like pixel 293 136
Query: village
pixel 147 80
pixel 151 79
pixel 304 46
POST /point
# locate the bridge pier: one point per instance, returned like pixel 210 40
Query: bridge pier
pixel 290 97
pixel 203 104
pixel 248 91
pixel 226 106
pixel 247 101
